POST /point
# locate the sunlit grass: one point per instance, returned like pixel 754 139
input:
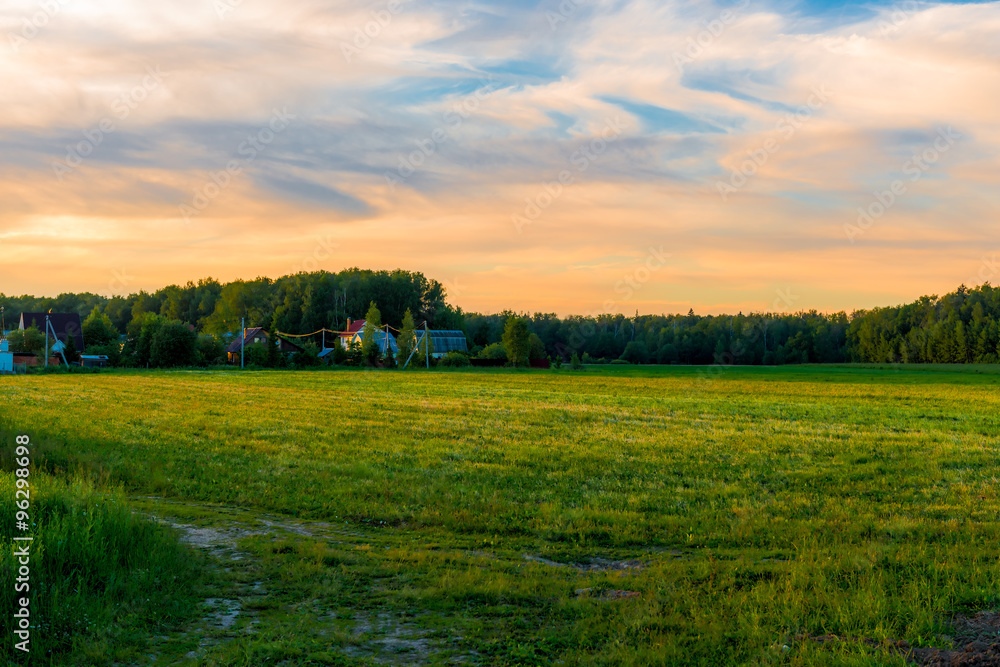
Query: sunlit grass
pixel 766 504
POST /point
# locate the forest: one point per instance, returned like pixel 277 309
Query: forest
pixel 960 327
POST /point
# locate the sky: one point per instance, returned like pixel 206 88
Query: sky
pixel 563 156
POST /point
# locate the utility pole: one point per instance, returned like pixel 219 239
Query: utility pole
pixel 46 341
pixel 427 345
pixel 243 339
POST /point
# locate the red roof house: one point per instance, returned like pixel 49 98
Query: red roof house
pixel 352 328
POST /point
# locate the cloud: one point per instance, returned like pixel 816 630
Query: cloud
pixel 422 128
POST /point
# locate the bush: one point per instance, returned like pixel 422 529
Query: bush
pixel 339 354
pixel 173 344
pixel 455 360
pixel 28 341
pixel 667 354
pixel 574 362
pixel 305 359
pixel 309 356
pixel 636 353
pixel 536 348
pixel 255 355
pixel 494 351
pixel 619 362
pixel 210 351
pixel 113 352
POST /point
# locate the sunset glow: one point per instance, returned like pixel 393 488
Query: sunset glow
pixel 573 158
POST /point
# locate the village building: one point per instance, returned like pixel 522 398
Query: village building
pixel 65 325
pixel 444 341
pixel 258 336
pixel 353 328
pixel 382 340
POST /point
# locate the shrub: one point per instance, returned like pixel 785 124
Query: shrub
pixel 536 348
pixel 173 344
pixel 113 352
pixel 494 351
pixel 210 351
pixel 636 353
pixel 305 359
pixel 455 359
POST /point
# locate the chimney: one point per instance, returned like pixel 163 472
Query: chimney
pixel 348 324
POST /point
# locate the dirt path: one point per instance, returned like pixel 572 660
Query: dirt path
pixel 238 607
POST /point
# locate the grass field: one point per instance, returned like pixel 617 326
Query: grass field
pixel 619 515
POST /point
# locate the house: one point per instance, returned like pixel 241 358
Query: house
pixel 93 360
pixel 352 329
pixel 444 341
pixel 381 339
pixel 64 325
pixel 6 358
pixel 257 336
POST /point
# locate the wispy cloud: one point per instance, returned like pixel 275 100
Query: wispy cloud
pixel 897 73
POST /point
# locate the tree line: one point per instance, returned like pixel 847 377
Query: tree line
pixel 191 324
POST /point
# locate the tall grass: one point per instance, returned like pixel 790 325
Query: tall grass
pixel 102 578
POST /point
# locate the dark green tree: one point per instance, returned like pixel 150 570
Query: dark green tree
pixel 370 344
pixel 173 344
pixel 517 341
pixel 536 348
pixel 406 340
pixel 98 330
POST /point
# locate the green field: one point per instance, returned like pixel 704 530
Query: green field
pixel 618 515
